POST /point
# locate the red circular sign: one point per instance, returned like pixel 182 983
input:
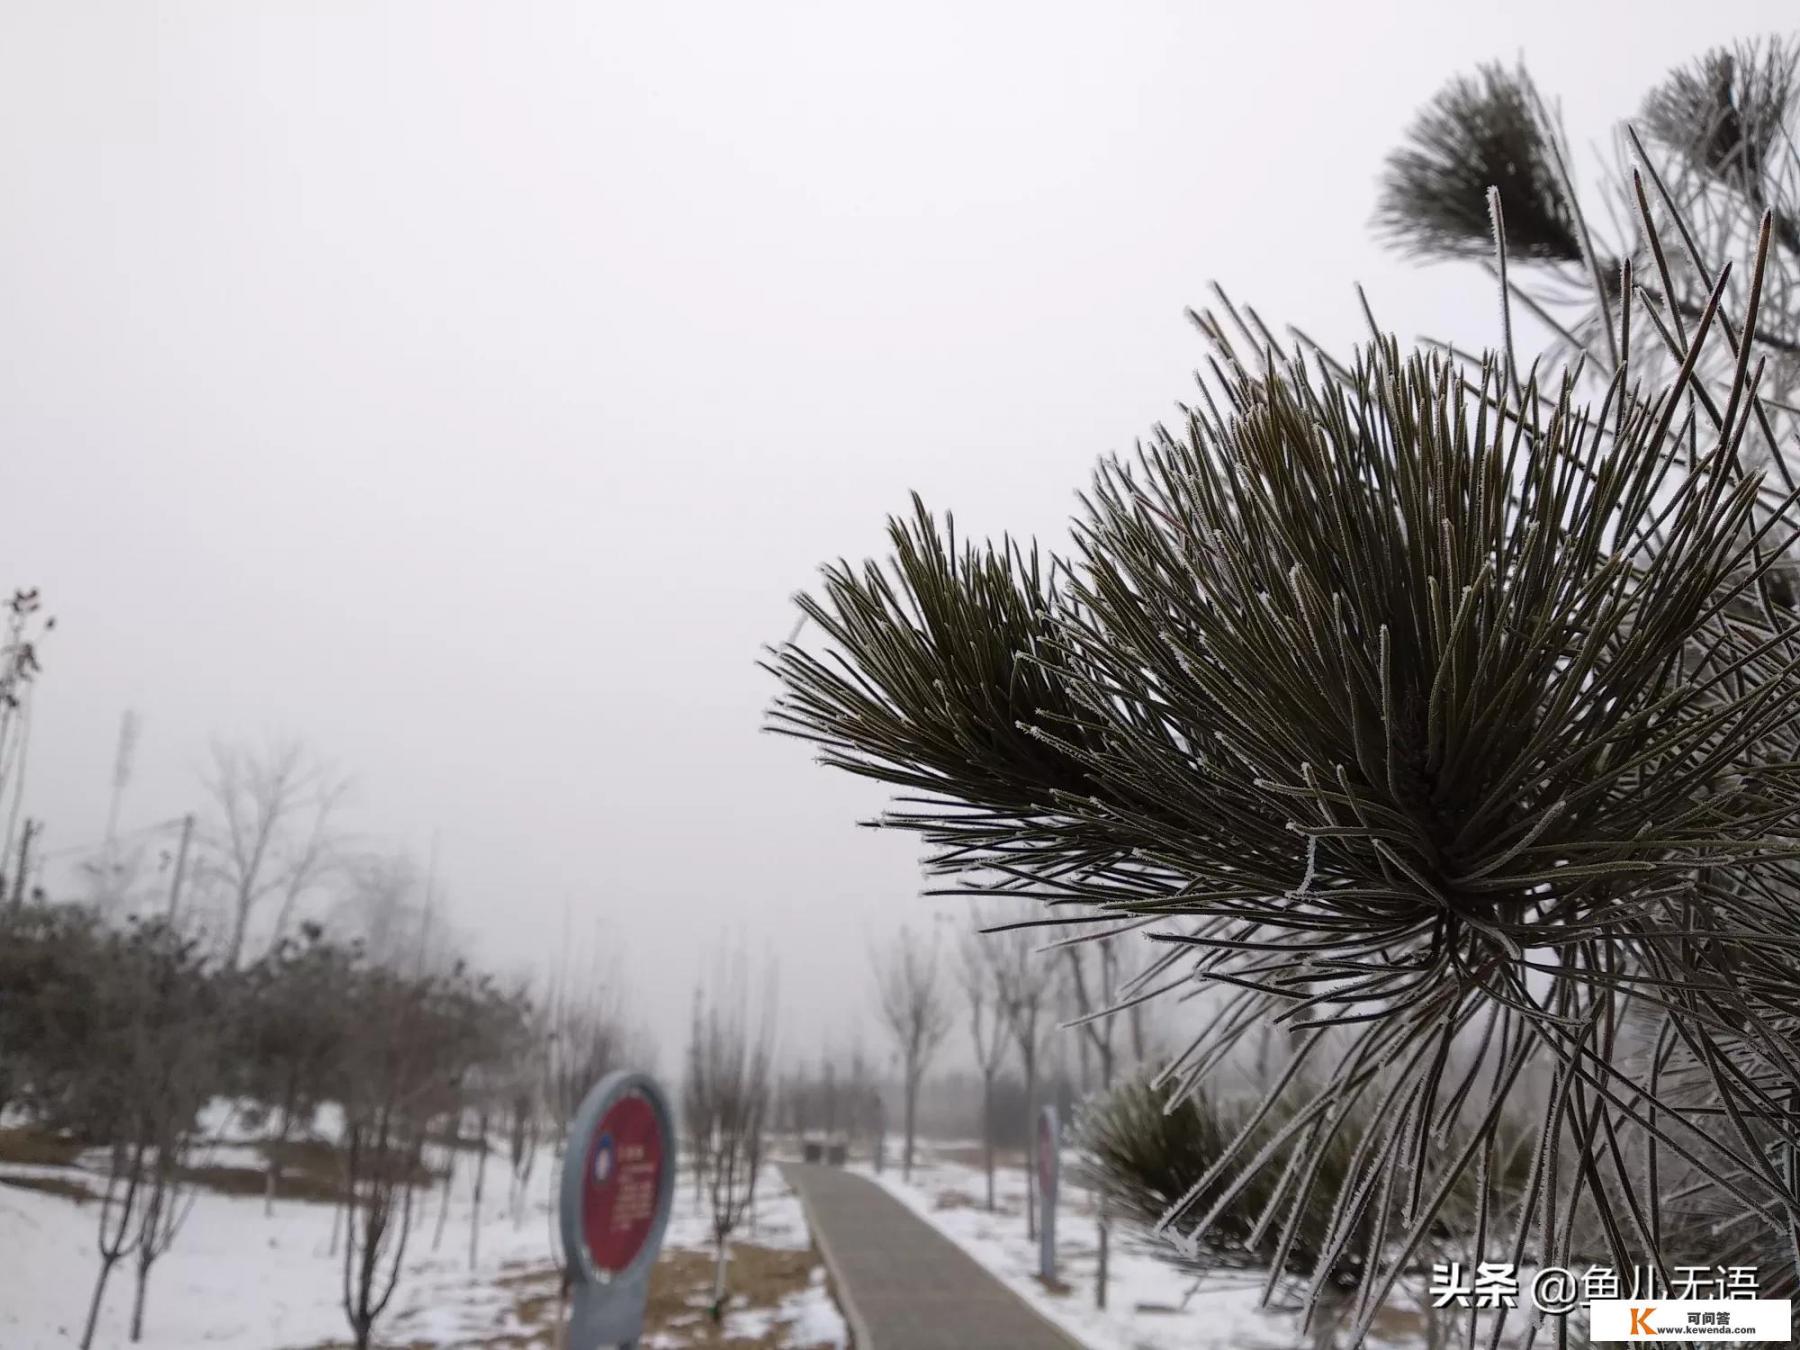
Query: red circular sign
pixel 620 1188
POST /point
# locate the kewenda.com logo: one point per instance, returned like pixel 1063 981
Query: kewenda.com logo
pixel 1689 1320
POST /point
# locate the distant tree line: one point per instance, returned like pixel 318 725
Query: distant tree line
pixel 122 1035
pixel 249 971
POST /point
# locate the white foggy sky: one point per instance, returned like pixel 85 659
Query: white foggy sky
pixel 465 389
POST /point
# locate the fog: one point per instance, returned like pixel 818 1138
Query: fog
pixel 466 389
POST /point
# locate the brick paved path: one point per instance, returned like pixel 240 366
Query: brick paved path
pixel 903 1285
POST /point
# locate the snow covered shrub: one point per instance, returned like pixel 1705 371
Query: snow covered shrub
pixel 1143 1150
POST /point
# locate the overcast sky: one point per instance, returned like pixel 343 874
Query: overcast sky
pixel 466 389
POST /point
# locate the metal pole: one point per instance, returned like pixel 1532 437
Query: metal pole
pixel 187 834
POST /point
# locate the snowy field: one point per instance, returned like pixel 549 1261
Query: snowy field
pixel 1150 1304
pixel 237 1279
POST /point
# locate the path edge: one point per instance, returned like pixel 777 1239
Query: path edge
pixel 860 1338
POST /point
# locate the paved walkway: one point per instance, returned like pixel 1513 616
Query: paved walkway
pixel 903 1285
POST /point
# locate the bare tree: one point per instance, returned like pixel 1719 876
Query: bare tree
pixel 494 1089
pixel 314 852
pixel 989 1032
pixel 288 1034
pixel 19 634
pixel 728 1094
pixel 383 1149
pixel 118 1236
pixel 403 1070
pixel 183 1006
pixel 168 1199
pixel 695 1106
pixel 524 1105
pixel 1025 982
pixel 913 1001
pixel 522 1120
pixel 1096 975
pixel 269 833
pixel 152 1065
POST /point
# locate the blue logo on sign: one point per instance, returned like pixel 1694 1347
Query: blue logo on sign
pixel 603 1158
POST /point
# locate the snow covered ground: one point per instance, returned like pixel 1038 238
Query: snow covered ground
pixel 239 1280
pixel 1150 1304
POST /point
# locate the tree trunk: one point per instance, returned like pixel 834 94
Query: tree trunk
pixel 521 1184
pixel 1030 1147
pixel 93 1317
pixel 718 1299
pixel 1100 1280
pixel 437 1237
pixel 480 1173
pixel 346 1199
pixel 1104 1046
pixel 987 1133
pixel 912 1115
pixel 274 1158
pixel 562 1314
pixel 137 1303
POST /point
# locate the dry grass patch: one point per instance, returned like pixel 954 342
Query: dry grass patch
pixel 33 1146
pixel 311 1170
pixel 680 1293
pixel 244 1181
pixel 323 1161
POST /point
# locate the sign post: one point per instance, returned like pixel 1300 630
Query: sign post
pixel 618 1183
pixel 1049 1175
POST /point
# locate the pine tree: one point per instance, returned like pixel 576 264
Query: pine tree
pixel 1443 720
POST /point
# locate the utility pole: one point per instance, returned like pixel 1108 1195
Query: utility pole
pixel 187 835
pixel 31 829
pixel 128 734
